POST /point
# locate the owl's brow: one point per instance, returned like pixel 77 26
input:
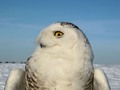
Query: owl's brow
pixel 69 24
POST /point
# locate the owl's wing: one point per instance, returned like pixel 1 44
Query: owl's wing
pixel 100 80
pixel 15 80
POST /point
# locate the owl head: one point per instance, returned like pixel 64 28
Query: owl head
pixel 63 35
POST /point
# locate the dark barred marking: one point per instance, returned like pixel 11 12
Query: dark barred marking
pixel 86 41
pixel 89 83
pixel 30 80
pixel 29 58
pixel 69 24
pixel 26 66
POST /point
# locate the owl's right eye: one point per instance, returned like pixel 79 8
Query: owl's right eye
pixel 58 34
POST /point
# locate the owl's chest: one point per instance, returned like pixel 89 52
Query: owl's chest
pixel 52 67
pixel 65 71
pixel 58 66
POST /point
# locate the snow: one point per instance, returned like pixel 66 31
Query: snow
pixel 112 72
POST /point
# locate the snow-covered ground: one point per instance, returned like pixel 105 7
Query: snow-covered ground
pixel 112 72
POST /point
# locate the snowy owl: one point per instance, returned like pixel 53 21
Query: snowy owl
pixel 62 61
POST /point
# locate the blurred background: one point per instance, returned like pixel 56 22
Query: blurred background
pixel 21 21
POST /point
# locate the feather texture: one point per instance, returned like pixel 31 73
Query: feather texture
pixel 63 61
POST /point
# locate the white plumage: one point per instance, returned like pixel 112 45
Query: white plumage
pixel 63 61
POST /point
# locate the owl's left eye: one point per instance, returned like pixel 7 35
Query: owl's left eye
pixel 58 34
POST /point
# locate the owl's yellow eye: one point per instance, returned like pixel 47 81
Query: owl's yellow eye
pixel 58 34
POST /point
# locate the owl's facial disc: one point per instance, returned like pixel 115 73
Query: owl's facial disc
pixel 51 39
pixel 58 36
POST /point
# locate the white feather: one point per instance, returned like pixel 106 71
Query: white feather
pixel 16 80
pixel 100 80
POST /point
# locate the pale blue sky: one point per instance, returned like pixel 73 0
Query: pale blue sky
pixel 21 22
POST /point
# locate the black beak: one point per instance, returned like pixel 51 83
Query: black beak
pixel 42 45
